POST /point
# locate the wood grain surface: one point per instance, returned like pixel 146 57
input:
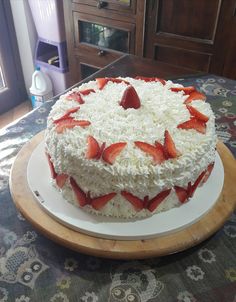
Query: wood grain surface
pixel 121 249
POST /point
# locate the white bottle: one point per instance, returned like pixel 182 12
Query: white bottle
pixel 41 88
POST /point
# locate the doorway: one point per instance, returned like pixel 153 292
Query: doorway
pixel 12 86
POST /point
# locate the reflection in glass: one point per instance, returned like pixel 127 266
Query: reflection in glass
pixel 2 84
pixel 126 2
pixel 87 70
pixel 103 36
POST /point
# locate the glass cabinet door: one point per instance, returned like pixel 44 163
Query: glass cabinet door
pixel 103 33
pixel 104 36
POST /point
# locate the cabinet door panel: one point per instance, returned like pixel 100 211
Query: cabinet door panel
pixel 189 19
pixel 187 33
pixel 183 57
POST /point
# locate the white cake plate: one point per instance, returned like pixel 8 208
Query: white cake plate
pixel 39 181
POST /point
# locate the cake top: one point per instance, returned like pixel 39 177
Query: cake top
pixel 130 117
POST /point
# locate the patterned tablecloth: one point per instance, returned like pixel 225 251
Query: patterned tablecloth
pixel 33 268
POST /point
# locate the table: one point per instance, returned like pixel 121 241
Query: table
pixel 33 268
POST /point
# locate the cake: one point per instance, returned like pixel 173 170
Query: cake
pixel 130 147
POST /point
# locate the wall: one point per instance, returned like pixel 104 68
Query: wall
pixel 26 37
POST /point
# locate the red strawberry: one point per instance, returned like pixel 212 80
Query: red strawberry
pixel 195 95
pixel 70 123
pixel 193 187
pixel 195 124
pixel 99 202
pixel 88 198
pixel 145 201
pixel 134 200
pixel 130 98
pixel 186 90
pixel 93 147
pixel 156 153
pixel 67 114
pixel 169 146
pixel 101 149
pixel 154 202
pixel 115 80
pixel 153 79
pixel 208 172
pixel 79 193
pixel 51 166
pixel 161 150
pixel 101 82
pixel 61 179
pixel 182 194
pixel 76 97
pixel 110 153
pixel 86 91
pixel 194 112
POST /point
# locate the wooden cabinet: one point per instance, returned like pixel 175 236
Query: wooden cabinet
pixel 99 32
pixel 198 35
pixel 194 34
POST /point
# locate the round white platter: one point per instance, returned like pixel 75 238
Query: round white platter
pixel 39 181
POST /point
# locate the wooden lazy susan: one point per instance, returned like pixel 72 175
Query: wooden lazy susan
pixel 165 244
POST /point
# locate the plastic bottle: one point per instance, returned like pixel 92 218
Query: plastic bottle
pixel 41 88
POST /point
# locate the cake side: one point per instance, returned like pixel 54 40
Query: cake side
pixel 133 171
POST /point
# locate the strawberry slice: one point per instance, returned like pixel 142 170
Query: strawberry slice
pixel 169 146
pixel 154 202
pixel 110 153
pixel 161 150
pixel 51 166
pixel 195 95
pixel 93 148
pixel 156 153
pixel 69 123
pixel 86 91
pixel 79 193
pixel 101 82
pixel 152 79
pixel 145 201
pixel 99 202
pixel 115 80
pixel 67 114
pixel 88 198
pixel 195 124
pixel 193 187
pixel 61 179
pixel 75 96
pixel 194 112
pixel 134 200
pixel 182 194
pixel 186 90
pixel 101 149
pixel 130 98
pixel 208 172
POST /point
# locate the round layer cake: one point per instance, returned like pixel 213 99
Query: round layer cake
pixel 126 147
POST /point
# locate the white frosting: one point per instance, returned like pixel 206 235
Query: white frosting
pixel 133 170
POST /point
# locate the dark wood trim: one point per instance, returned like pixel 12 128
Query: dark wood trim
pixel 14 47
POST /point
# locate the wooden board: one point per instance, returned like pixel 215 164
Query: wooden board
pixel 121 249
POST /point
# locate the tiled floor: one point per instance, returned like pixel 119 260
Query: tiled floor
pixel 15 113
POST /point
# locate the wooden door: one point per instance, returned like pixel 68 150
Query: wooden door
pixel 229 69
pixel 187 33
